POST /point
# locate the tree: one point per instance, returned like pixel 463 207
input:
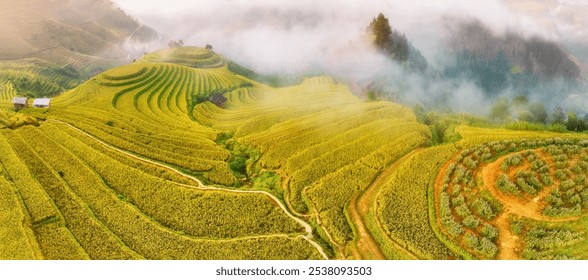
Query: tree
pixel 539 112
pixel 389 41
pixel 525 116
pixel 175 44
pixel 558 116
pixel 501 110
pixel 574 123
pixel 400 49
pixel 520 101
pixel 383 32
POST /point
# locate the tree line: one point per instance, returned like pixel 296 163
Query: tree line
pixel 521 110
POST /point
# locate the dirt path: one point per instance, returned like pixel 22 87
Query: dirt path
pixel 366 247
pixel 359 208
pixel 509 243
pixel 201 186
pixel 528 209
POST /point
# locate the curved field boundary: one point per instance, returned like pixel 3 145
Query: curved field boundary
pixel 364 205
pixel 145 82
pixel 167 75
pixel 126 77
pixel 434 218
pixel 178 89
pixel 401 208
pixel 201 186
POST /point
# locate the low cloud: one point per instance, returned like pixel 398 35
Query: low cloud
pixel 296 36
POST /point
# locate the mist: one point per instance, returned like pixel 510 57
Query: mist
pixel 292 37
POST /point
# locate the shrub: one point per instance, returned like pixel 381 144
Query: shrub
pixel 471 240
pixel 490 232
pixel 487 248
pixel 483 208
pixel 471 222
pixel 504 184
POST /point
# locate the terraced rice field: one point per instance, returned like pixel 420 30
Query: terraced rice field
pixel 13 120
pixel 35 80
pixel 176 157
pixel 7 93
pixel 138 126
pixel 104 204
pixel 327 151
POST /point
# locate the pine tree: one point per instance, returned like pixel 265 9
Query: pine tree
pixel 383 32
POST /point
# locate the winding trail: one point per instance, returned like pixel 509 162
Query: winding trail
pixel 528 209
pixel 315 214
pixel 308 229
pixel 360 208
pixel 509 244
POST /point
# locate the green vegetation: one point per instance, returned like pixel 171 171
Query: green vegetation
pixel 543 242
pixel 37 81
pixel 8 92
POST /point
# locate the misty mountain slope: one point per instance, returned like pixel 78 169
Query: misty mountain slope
pixel 533 55
pixel 375 63
pixel 52 46
pixel 94 28
pixel 394 44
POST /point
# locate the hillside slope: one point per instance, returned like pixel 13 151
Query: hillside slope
pixel 57 30
pixel 309 148
pixel 51 46
pixel 536 56
pixel 176 157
